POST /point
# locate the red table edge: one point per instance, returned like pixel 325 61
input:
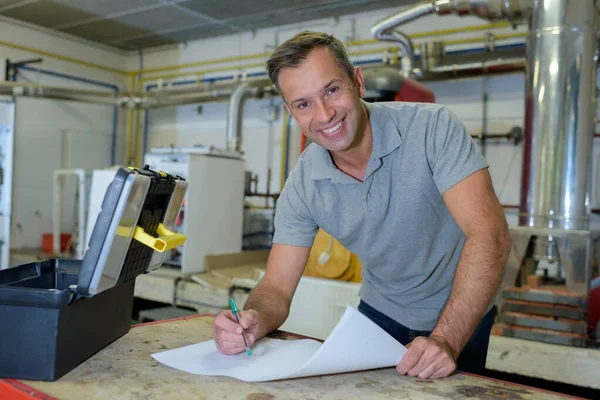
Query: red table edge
pixel 17 390
pixel 14 389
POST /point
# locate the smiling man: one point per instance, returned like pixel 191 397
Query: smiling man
pixel 402 186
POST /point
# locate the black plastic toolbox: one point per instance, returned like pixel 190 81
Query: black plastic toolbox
pixel 57 313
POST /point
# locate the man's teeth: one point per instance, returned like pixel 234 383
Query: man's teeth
pixel 335 128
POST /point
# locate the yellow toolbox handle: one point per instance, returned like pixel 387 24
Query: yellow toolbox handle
pixel 166 240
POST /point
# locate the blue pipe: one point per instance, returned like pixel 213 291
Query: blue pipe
pixel 90 82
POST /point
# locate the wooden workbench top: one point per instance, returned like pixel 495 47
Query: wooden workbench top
pixel 126 370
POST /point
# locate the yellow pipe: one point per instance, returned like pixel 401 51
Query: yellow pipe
pixel 395 57
pixel 130 124
pixel 283 144
pixel 207 62
pixel 476 39
pixel 511 35
pixel 372 51
pixel 201 72
pixel 452 31
pixel 62 58
pixel 462 41
pixel 138 153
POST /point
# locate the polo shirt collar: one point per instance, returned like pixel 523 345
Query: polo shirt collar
pixel 386 138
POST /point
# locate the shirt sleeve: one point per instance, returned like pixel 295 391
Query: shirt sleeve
pixel 451 152
pixel 294 223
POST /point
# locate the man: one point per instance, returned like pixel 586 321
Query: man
pixel 403 187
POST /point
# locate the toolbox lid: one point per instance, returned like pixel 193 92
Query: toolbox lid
pixel 133 229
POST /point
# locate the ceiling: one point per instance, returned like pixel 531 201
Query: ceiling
pixel 138 24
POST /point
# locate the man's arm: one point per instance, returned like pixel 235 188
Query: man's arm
pixel 268 305
pixel 273 295
pixel 478 213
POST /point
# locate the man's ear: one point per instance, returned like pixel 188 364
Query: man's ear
pixel 360 82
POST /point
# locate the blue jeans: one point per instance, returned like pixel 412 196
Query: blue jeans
pixel 471 359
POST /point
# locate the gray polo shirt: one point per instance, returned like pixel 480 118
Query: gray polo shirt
pixel 396 221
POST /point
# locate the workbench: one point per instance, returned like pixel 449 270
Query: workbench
pixel 126 370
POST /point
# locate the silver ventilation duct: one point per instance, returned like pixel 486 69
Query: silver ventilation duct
pixel 559 128
pixel 235 115
pixel 560 110
pixel 560 99
pixel 515 11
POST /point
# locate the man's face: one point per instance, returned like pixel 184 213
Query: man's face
pixel 324 100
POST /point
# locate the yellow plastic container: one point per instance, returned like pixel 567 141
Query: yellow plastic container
pixel 329 259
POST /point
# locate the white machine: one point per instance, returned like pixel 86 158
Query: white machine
pixel 212 216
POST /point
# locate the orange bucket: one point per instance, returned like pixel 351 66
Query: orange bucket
pixel 65 242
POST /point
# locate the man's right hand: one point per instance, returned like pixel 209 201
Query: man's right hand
pixel 228 334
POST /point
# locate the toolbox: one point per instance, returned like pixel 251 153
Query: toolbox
pixel 57 313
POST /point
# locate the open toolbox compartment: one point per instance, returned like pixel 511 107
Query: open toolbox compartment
pixel 57 313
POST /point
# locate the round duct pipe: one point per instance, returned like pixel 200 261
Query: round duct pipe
pixel 559 115
pixel 235 115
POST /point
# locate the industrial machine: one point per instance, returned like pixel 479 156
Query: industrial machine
pixel 215 198
pixel 545 292
pixel 386 83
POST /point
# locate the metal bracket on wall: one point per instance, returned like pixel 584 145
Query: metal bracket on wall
pixel 11 68
pixel 515 134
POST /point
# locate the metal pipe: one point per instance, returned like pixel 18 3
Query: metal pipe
pixel 235 115
pixel 559 117
pixel 382 28
pixel 512 10
pixel 406 48
pixel 167 100
pixel 471 69
pixel 492 9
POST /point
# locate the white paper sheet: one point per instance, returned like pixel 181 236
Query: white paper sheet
pixel 356 343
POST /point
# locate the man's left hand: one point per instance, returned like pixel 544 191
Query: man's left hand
pixel 428 357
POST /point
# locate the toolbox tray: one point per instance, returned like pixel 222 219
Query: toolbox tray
pixel 57 313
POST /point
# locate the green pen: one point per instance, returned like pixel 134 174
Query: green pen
pixel 236 314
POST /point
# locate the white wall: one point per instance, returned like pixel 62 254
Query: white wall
pixel 44 128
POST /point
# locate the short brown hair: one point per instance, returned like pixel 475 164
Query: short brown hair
pixel 294 51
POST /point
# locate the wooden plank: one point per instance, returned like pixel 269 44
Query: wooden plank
pixel 534 281
pixel 212 262
pixel 545 335
pixel 575 366
pixel 248 271
pixel 126 370
pixel 213 281
pixel 549 309
pixel 544 322
pixel 191 293
pixel 546 294
pixel 155 287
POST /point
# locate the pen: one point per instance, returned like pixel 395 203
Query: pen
pixel 236 315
